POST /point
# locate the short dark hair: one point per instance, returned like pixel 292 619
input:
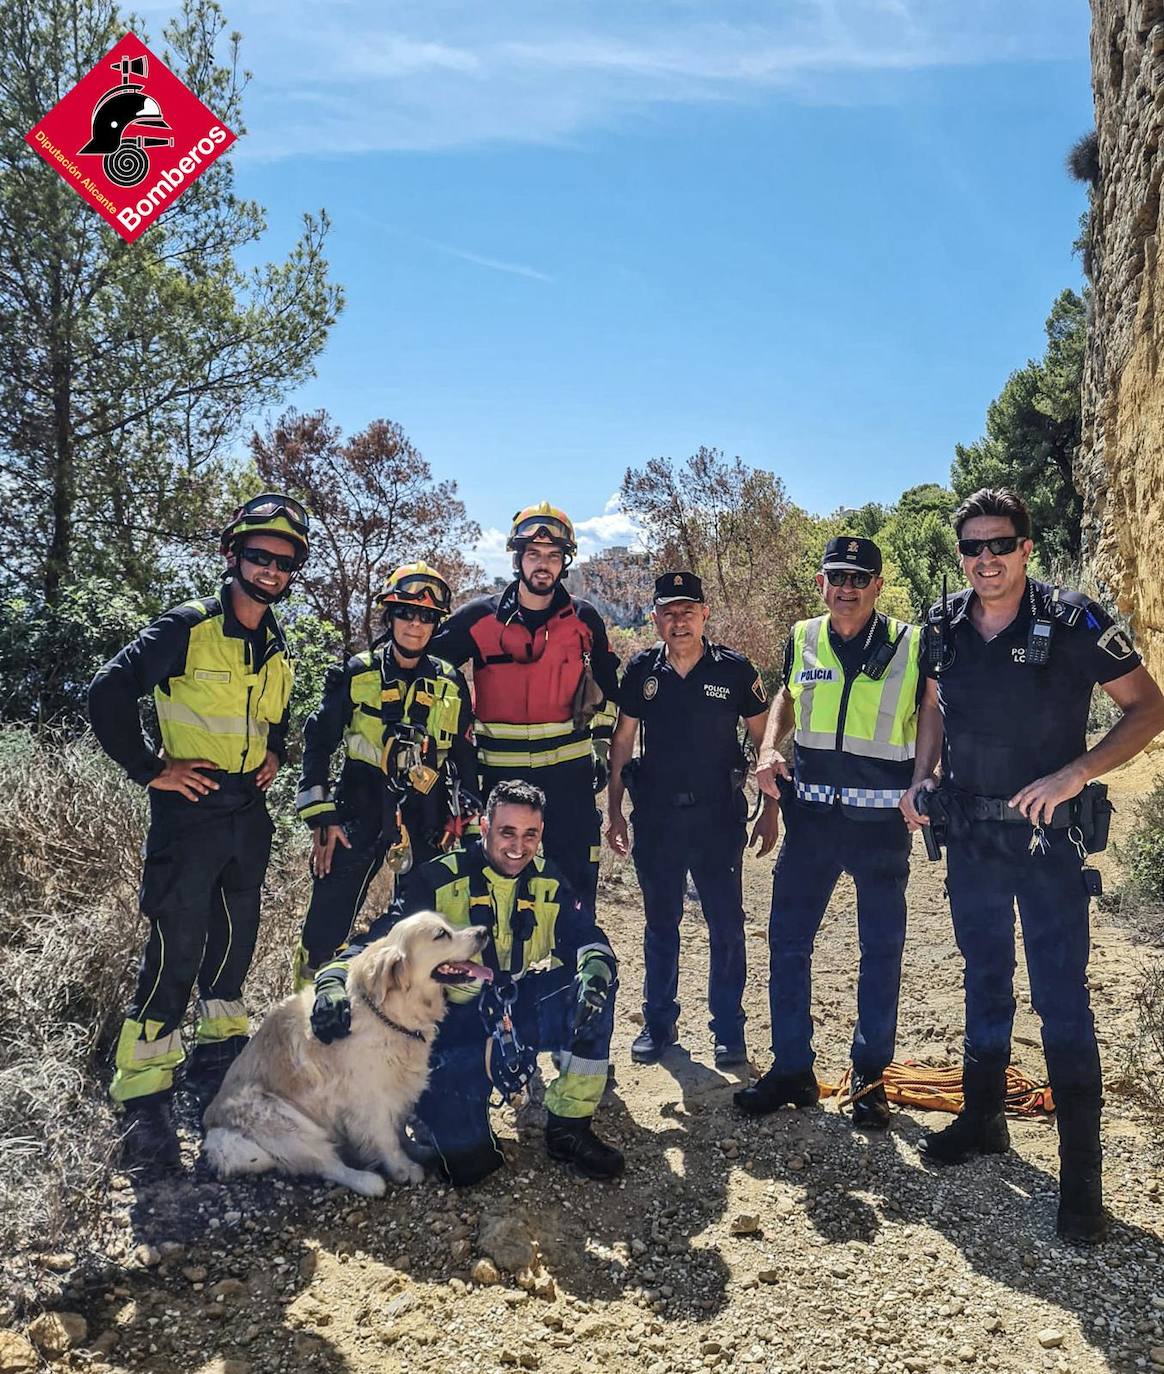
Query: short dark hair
pixel 1000 501
pixel 514 792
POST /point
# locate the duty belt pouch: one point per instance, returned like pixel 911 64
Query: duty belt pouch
pixel 739 774
pixel 630 778
pixel 588 696
pixel 1095 817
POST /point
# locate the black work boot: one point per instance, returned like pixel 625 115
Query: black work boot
pixel 776 1090
pixel 980 1128
pixel 207 1066
pixel 1082 1219
pixel 652 1042
pixel 731 1054
pixel 150 1140
pixel 572 1140
pixel 870 1105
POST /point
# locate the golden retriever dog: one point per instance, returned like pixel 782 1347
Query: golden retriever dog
pixel 292 1103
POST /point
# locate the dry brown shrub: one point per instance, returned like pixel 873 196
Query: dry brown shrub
pixel 71 833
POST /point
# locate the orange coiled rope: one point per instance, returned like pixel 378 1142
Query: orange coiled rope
pixel 934 1089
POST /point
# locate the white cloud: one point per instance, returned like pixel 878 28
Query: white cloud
pixel 356 77
pixel 491 553
pixel 517 269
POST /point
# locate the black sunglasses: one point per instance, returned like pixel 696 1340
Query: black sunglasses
pixel 1005 543
pixel 838 577
pixel 421 613
pixel 264 558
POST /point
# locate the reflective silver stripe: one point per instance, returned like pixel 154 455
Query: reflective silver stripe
pixel 542 759
pixel 892 686
pixel 310 795
pixel 583 1068
pixel 154 1049
pixel 218 1010
pixel 506 730
pixel 886 797
pixel 363 749
pixel 584 950
pixel 178 714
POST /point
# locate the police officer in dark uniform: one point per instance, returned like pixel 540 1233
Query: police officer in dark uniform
pixel 1011 664
pixel 688 696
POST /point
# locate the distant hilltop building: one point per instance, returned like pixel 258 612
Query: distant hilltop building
pixel 619 583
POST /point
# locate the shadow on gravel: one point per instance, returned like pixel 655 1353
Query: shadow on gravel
pixel 998 1212
pixel 222 1264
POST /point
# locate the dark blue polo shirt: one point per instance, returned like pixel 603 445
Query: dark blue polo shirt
pixel 690 724
pixel 1007 722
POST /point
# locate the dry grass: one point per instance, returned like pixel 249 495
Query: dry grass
pixel 71 832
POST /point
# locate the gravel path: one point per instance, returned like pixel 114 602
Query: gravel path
pixel 792 1243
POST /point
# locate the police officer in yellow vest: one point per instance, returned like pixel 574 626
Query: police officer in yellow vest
pixel 409 777
pixel 220 676
pixel 852 687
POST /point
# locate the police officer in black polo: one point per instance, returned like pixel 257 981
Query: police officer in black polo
pixel 1011 666
pixel 689 814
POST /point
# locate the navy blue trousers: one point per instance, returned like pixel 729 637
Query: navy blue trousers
pixel 818 847
pixel 707 842
pixel 989 869
pixel 455 1105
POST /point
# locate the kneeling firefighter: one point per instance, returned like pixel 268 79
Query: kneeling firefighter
pixel 409 777
pixel 220 676
pixel 496 1026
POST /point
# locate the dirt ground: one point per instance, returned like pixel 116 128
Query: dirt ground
pixel 792 1243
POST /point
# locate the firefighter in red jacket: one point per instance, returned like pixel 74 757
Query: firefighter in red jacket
pixel 544 684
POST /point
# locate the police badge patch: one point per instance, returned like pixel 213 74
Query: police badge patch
pixel 1116 643
pixel 650 687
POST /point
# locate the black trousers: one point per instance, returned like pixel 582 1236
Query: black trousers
pixel 707 841
pixel 336 899
pixel 200 891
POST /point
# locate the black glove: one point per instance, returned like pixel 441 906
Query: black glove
pixel 593 988
pixel 331 1016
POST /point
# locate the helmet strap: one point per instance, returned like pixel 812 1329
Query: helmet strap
pixel 234 573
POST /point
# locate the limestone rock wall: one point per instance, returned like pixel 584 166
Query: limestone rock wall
pixel 1120 469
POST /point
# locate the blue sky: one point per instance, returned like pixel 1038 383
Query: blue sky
pixel 816 233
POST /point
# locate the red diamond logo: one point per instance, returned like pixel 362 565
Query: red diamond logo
pixel 129 138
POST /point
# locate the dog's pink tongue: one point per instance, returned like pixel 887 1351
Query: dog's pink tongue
pixel 480 971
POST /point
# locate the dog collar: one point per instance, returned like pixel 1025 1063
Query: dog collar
pixel 388 1021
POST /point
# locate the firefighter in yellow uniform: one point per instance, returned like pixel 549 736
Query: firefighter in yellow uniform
pixel 852 689
pixel 220 676
pixel 409 779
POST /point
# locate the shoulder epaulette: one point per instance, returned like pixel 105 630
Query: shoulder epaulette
pixel 956 605
pixel 198 609
pixel 1072 608
pixel 362 662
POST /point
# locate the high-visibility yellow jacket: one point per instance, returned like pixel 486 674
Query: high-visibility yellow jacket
pixel 220 689
pixel 854 736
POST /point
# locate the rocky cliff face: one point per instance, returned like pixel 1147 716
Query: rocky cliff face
pixel 1121 460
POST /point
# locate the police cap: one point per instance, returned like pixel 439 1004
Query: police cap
pixel 677 586
pixel 853 554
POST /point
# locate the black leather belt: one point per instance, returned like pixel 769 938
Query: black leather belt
pixel 998 809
